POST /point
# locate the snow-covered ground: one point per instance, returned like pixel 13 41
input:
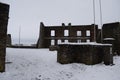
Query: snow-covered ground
pixel 41 64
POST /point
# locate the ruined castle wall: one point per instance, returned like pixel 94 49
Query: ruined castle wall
pixel 4 11
pixel 112 30
pixel 75 33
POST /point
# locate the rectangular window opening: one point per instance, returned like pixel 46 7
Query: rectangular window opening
pixel 59 41
pixel 52 32
pixel 88 40
pixel 78 41
pixel 88 33
pixel 66 41
pixel 79 33
pixel 52 42
pixel 66 33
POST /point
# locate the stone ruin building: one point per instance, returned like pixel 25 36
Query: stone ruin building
pixel 4 12
pixel 72 42
pixel 53 35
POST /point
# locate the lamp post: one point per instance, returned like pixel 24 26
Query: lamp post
pixel 94 20
pixel 101 19
pixel 19 35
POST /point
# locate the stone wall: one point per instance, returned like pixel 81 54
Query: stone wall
pixel 87 54
pixel 69 33
pixel 112 31
pixel 4 12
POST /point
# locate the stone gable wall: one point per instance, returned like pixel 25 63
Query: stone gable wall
pixel 45 37
pixel 4 12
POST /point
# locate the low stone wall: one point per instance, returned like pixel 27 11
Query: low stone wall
pixel 87 54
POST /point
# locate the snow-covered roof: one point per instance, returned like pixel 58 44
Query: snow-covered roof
pixel 108 39
pixel 86 43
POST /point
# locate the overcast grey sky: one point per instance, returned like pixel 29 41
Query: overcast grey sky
pixel 28 14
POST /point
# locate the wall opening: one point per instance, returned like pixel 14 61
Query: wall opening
pixel 88 33
pixel 66 33
pixel 53 42
pixel 59 41
pixel 66 41
pixel 88 40
pixel 52 32
pixel 78 41
pixel 79 33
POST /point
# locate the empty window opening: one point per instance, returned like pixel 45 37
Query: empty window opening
pixel 78 41
pixel 66 33
pixel 79 33
pixel 52 42
pixel 52 32
pixel 59 41
pixel 88 33
pixel 88 40
pixel 66 41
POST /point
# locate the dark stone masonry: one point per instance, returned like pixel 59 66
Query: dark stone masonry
pixel 53 35
pixel 108 43
pixel 111 34
pixel 4 12
pixel 85 53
